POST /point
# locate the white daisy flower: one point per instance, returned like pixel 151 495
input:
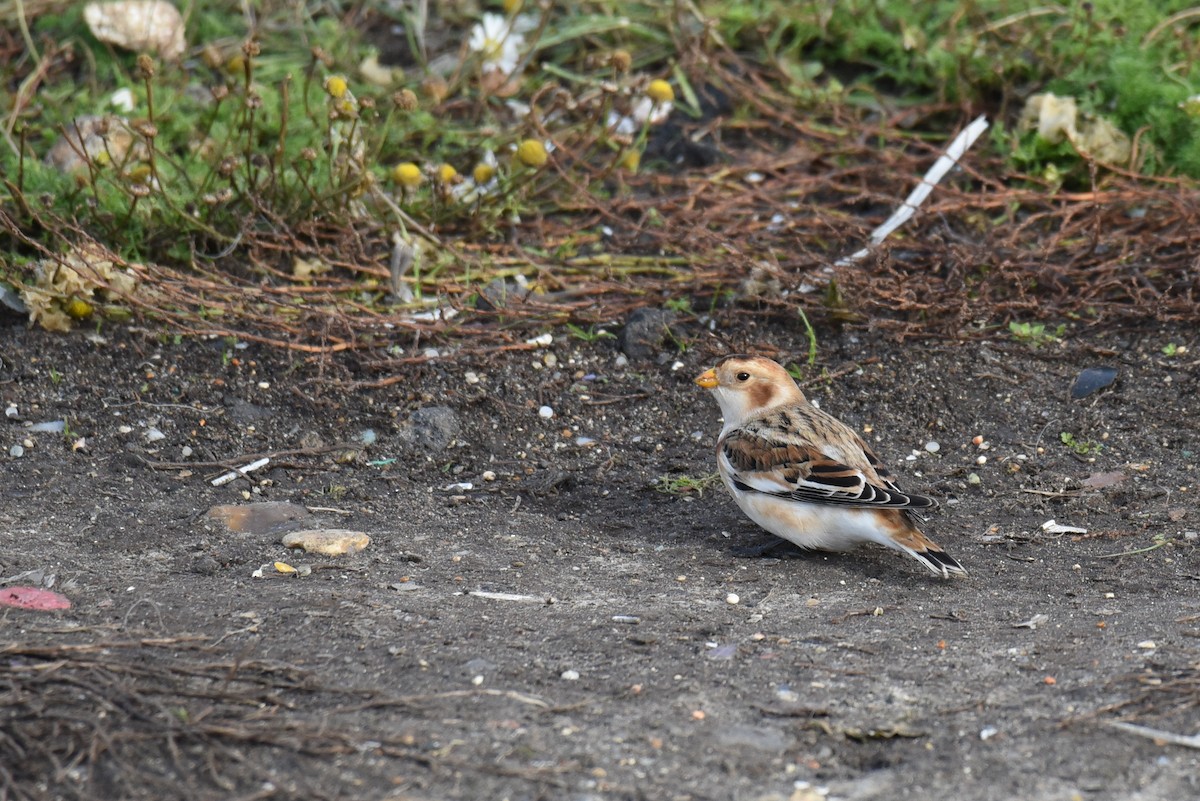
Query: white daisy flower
pixel 497 42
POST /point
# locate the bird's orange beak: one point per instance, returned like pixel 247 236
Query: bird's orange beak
pixel 707 379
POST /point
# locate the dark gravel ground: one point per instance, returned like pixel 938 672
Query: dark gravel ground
pixel 563 629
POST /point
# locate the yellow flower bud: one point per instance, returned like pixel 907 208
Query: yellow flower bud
pixel 512 6
pixel 532 153
pixel 78 309
pixel 630 161
pixel 336 86
pixel 483 173
pixel 446 173
pixel 407 174
pixel 660 91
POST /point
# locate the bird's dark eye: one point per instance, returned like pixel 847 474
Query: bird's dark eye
pixel 743 376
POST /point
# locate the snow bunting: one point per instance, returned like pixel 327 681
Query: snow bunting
pixel 804 475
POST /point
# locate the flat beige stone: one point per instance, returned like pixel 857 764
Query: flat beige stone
pixel 327 541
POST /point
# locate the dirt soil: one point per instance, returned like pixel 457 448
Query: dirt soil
pixel 563 629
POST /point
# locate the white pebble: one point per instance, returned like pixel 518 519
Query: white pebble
pixel 981 460
pixel 676 366
pixel 621 360
pixel 154 435
pixel 542 340
pixel 478 680
pixel 264 384
pixel 545 412
pixel 973 479
pixel 489 475
pixel 583 442
pixel 988 732
pixel 550 360
pixel 16 451
pixel 570 675
pixel 11 411
pixel 470 377
pixel 186 451
pixel 1148 645
pixel 732 598
pixel 932 446
pixel 124 429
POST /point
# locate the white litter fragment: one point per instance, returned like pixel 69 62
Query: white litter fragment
pixel 1052 527
pixel 1032 623
pixel 241 471
pixel 961 144
pixel 1157 734
pixel 460 486
pixel 510 596
pixel 541 341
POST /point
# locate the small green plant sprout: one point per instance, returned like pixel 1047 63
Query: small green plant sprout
pixel 680 486
pixel 812 338
pixel 681 305
pixel 1035 335
pixel 1171 350
pixel 1082 447
pixel 592 334
pixel 55 377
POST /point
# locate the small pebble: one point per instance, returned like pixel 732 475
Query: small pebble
pixel 676 366
pixel 981 460
pixel 584 441
pixel 27 442
pixel 973 479
pixel 186 451
pixel 489 475
pixel 622 360
pixel 471 377
pixel 11 412
pixel 932 447
pixel 570 675
pixel 477 680
pixel 264 384
pixel 124 429
pixel 550 360
pixel 732 598
pixel 988 732
pixel 1148 645
pixel 154 435
pixel 545 412
pixel 16 451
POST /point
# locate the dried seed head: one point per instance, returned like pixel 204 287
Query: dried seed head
pixel 308 154
pixel 319 54
pixel 219 92
pixel 227 167
pixel 146 128
pixel 251 48
pixel 405 100
pixel 145 67
pixel 621 60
